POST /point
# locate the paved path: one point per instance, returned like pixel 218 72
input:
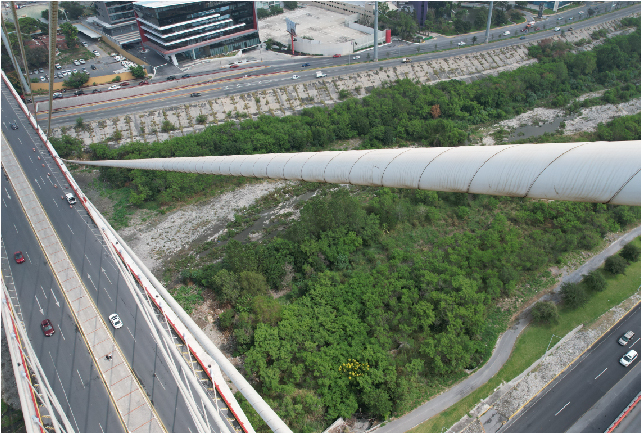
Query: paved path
pixel 501 352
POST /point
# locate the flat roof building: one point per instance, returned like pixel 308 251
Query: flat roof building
pixel 187 29
pixel 116 19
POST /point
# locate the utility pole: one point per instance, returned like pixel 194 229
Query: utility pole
pixel 53 32
pixel 376 32
pixel 7 44
pixel 24 59
pixel 490 14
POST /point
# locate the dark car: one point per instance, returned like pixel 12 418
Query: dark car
pixel 93 67
pixel 337 55
pixel 79 92
pixel 195 94
pixel 305 65
pixel 14 125
pixel 47 328
pixel 143 82
pixel 522 37
pixel 186 75
pixel 96 91
pixel 18 257
pixel 171 77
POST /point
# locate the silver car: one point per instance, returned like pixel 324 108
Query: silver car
pixel 628 358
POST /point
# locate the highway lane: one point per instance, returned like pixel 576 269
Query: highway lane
pixel 566 399
pixel 264 76
pixel 94 264
pixel 64 357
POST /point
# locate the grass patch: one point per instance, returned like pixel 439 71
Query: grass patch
pixel 12 420
pixel 533 341
pixel 188 297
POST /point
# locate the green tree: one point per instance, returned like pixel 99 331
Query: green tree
pixel 474 39
pixel 252 283
pixel 481 17
pixel 31 25
pixel 615 264
pixel 138 71
pixel 595 281
pixel 74 10
pixel 226 319
pixel 262 13
pixel 290 5
pixel 37 57
pixel 45 14
pixel 630 252
pixel 76 80
pixel 545 312
pixel 573 295
pixel 68 146
pixel 71 34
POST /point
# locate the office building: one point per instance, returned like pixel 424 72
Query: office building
pixel 181 30
pixel 116 20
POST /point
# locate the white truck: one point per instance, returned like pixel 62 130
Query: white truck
pixel 506 33
pixel 320 74
pixel 406 60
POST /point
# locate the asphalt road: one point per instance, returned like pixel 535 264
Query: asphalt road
pixel 81 239
pixel 266 76
pixel 565 400
pixel 64 357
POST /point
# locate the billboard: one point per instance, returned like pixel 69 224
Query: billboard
pixel 291 26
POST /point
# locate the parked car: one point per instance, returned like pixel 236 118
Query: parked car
pixel 58 66
pixel 79 92
pixel 625 338
pixel 124 83
pixel 93 67
pixel 305 65
pixel 96 91
pixel 628 358
pixel 60 75
pixel 47 328
pixel 143 82
pixel 77 63
pixel 96 53
pixel 195 94
pixel 114 87
pixel 18 257
pixel 115 320
pixel 84 69
pixel 171 77
pixel 74 71
pixel 35 71
pixel 84 44
pixel 41 70
pixel 522 37
pixel 70 198
pixel 461 44
pixel 82 61
pixel 42 78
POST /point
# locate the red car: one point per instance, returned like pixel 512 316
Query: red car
pixel 143 82
pixel 47 328
pixel 124 83
pixel 18 257
pixel 337 55
pixel 234 66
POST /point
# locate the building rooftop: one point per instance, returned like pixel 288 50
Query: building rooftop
pixel 154 4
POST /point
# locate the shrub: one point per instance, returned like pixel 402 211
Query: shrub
pixel 545 312
pixel 117 135
pixel 595 281
pixel 344 93
pixel 116 79
pixel 79 122
pixel 34 80
pixel 226 319
pixel 630 253
pixel 167 126
pixel 573 295
pixel 615 264
pixel 201 119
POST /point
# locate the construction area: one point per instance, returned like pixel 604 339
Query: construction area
pixel 312 23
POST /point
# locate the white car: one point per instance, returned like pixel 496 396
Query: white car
pixel 461 44
pixel 114 87
pixel 58 66
pixel 356 57
pixel 70 198
pixel 76 63
pixel 506 33
pixel 84 44
pixel 96 53
pixel 581 13
pixel 118 58
pixel 628 358
pixel 67 72
pixel 75 71
pixel 294 77
pixel 82 61
pixel 557 29
pixel 115 320
pixel 43 78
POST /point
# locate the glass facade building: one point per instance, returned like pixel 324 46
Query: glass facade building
pixel 189 29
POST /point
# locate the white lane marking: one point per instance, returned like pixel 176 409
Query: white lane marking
pixel 105 273
pixel 5 203
pixel 64 392
pixel 562 408
pixel 92 281
pixel 40 307
pixel 635 342
pixel 72 232
pixel 601 373
pixel 37 183
pixel 108 294
pixel 159 382
pixel 27 255
pixel 87 259
pixel 54 296
pixel 43 291
pixel 54 201
pixel 16 228
pixel 83 383
pixel 62 334
pixel 30 158
pixel 101 427
pixel 130 332
pixel 8 195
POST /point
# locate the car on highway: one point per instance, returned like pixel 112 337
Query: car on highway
pixel 93 67
pixel 295 77
pixel 305 65
pixel 14 125
pixel 171 77
pixel 124 83
pixel 560 19
pixel 234 65
pixel 96 91
pixel 57 95
pixel 628 358
pixel 522 37
pixel 18 257
pixel 186 75
pixel 570 18
pixel 461 44
pixel 557 29
pixel 70 198
pixel 625 338
pixel 570 29
pixel 47 328
pixel 114 87
pixel 115 320
pixel 195 94
pixel 143 82
pixel 356 57
pixel 581 13
pixel 506 33
pixel 337 55
pixel 79 92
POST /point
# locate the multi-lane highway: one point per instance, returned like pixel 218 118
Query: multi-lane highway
pixel 565 400
pixel 64 356
pixel 265 76
pixel 105 284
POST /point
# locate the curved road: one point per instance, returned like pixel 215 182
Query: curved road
pixel 500 355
